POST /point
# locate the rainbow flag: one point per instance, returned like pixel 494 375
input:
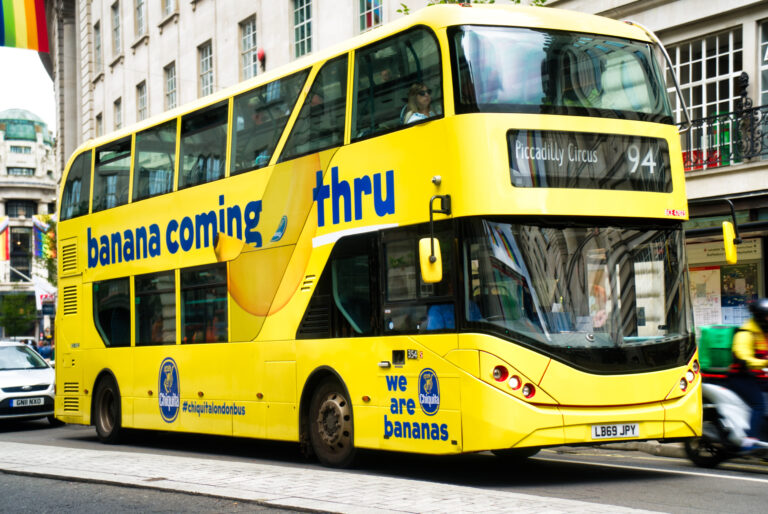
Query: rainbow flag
pixel 5 242
pixel 22 24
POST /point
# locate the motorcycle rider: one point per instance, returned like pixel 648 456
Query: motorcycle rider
pixel 747 374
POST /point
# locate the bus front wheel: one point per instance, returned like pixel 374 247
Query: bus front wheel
pixel 330 425
pixel 107 415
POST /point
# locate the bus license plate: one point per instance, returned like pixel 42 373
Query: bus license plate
pixel 27 402
pixel 623 430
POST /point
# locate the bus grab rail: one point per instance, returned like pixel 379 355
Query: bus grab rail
pixel 656 40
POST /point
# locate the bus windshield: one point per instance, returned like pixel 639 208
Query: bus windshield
pixel 505 69
pixel 606 299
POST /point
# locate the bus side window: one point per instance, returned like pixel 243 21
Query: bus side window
pixel 111 175
pixel 320 124
pixel 155 155
pixel 155 308
pixel 259 118
pixel 204 304
pixel 112 311
pixel 384 72
pixel 77 189
pixel 203 145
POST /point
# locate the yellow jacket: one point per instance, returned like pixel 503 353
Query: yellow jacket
pixel 750 345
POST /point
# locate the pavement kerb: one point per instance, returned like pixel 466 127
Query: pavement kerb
pixel 280 486
pixel 676 450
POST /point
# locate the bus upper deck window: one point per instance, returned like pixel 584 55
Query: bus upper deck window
pixel 203 145
pixel 77 189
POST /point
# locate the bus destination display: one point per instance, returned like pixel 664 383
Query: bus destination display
pixel 582 160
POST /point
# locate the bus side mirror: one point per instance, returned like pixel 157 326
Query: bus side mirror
pixel 729 237
pixel 431 269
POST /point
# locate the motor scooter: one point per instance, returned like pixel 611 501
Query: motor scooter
pixel 725 424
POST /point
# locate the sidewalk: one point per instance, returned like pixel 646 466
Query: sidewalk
pixel 276 486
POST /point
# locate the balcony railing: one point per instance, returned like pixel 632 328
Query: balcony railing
pixel 726 139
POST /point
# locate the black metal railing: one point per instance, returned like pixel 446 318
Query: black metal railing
pixel 726 139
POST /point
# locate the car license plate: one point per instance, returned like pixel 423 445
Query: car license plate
pixel 619 430
pixel 27 402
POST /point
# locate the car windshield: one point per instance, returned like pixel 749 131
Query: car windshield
pixel 20 357
pixel 507 69
pixel 603 298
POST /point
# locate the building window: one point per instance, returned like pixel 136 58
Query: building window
pixel 141 101
pixel 118 111
pixel 205 53
pixel 97 46
pixel 170 85
pixel 248 52
pixel 141 18
pixel 169 7
pixel 763 56
pixel 708 70
pixel 21 172
pixel 20 208
pixel 21 253
pixel 370 14
pixel 302 27
pixel 99 125
pixel 116 42
pixel 20 149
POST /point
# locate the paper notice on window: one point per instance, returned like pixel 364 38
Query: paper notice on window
pixel 705 295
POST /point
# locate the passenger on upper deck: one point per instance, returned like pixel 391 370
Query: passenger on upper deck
pixel 419 100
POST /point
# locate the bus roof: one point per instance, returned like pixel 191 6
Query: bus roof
pixel 436 16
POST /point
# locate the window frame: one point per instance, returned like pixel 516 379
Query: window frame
pixel 248 53
pixel 197 285
pixel 119 282
pixel 139 314
pixel 142 103
pixel 137 154
pixel 97 56
pixel 117 43
pixel 368 13
pixel 75 174
pixel 111 182
pixel 205 68
pixel 140 10
pixel 302 30
pixel 170 86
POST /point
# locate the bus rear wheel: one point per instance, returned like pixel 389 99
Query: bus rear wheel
pixel 331 430
pixel 107 411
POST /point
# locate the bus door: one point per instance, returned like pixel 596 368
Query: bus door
pixel 419 327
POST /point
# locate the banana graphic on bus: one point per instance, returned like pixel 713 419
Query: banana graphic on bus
pixel 262 280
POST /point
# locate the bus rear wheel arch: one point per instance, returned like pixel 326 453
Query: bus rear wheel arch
pixel 330 424
pixel 106 410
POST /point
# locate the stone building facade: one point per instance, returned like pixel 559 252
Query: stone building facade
pixel 28 184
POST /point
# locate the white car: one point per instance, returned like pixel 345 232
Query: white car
pixel 26 384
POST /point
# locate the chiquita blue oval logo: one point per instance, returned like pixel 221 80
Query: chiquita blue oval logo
pixel 169 389
pixel 429 392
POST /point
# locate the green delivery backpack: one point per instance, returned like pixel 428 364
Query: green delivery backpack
pixel 715 345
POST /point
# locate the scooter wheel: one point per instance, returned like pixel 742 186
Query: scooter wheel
pixel 703 453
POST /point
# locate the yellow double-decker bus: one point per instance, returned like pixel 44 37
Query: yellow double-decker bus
pixel 458 232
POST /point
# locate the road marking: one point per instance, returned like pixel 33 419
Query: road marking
pixel 670 471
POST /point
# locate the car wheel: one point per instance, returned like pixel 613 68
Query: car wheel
pixel 107 411
pixel 331 431
pixel 54 422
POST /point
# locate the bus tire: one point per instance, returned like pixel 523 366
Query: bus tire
pixel 515 453
pixel 331 431
pixel 107 411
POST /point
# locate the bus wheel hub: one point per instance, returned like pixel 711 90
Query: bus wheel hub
pixel 332 419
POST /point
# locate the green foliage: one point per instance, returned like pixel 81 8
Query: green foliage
pixel 18 314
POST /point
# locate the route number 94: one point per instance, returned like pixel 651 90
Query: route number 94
pixel 649 162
